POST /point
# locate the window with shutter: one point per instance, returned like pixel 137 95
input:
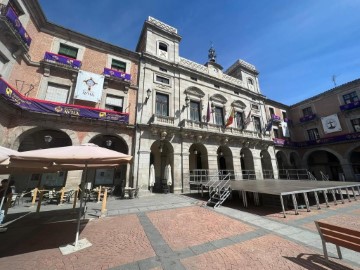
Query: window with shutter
pixel 57 93
pixel 68 51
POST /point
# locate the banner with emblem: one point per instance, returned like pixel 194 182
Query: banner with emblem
pixel 12 96
pixel 331 123
pixel 89 86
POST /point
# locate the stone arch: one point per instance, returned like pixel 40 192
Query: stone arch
pixel 247 164
pixel 219 99
pixel 198 157
pixel 194 91
pixel 162 153
pixel 295 160
pixel 239 104
pixel 324 162
pixel 266 165
pixel 225 159
pixel 20 132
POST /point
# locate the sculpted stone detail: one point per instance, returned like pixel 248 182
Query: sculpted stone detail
pixel 162 25
pixel 219 98
pixel 194 91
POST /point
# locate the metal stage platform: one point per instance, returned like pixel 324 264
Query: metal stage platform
pixel 292 187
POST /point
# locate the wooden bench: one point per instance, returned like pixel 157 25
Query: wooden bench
pixel 339 236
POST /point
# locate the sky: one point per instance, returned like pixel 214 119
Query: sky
pixel 298 47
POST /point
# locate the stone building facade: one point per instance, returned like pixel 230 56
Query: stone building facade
pixel 324 133
pixel 183 112
pixel 41 64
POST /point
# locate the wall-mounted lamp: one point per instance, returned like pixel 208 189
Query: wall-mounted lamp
pixel 261 156
pixel 48 138
pixel 187 103
pixel 212 107
pixel 195 152
pixel 148 93
pixel 242 155
pixel 221 153
pixel 108 143
pixel 160 148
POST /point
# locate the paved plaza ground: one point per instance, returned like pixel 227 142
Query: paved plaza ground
pixel 171 232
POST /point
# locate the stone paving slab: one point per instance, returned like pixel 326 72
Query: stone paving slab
pixel 168 232
pixel 266 252
pixel 174 226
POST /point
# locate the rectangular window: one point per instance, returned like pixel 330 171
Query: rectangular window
pixel 114 103
pixel 254 107
pixel 284 115
pixel 68 51
pixel 162 79
pixel 272 112
pixel 162 69
pixel 193 78
pixel 16 7
pixel 276 133
pixel 3 61
pixel 216 86
pixel 195 111
pixel 239 119
pixel 257 124
pixel 118 65
pixel 57 93
pixel 307 111
pixel 162 104
pixel 313 134
pixel 350 98
pixel 356 124
pixel 219 116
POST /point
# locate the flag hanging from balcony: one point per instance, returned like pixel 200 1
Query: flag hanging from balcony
pixel 269 125
pixel 208 112
pixel 285 129
pixel 89 86
pixel 247 119
pixel 230 120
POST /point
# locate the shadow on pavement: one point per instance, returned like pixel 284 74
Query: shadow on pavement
pixel 40 231
pixel 316 262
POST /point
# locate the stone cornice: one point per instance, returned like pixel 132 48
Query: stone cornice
pixel 53 29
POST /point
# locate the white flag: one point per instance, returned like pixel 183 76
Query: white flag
pixel 285 129
pixel 89 86
pixel 331 123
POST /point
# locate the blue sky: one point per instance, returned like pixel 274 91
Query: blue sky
pixel 297 46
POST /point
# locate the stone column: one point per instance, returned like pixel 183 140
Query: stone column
pixel 185 171
pixel 347 170
pixel 143 171
pixel 177 171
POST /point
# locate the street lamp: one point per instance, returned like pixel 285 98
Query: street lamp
pixel 108 143
pixel 148 93
pixel 48 138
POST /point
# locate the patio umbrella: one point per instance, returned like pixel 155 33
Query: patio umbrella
pixel 5 153
pixel 168 176
pixel 85 155
pixel 152 176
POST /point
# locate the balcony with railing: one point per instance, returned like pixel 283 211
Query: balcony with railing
pixel 62 61
pixel 163 120
pixel 307 118
pixel 13 25
pixel 214 128
pixel 275 118
pixel 350 106
pixel 115 74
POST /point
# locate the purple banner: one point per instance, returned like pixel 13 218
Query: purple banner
pixel 307 118
pixel 117 74
pixel 13 18
pixel 62 60
pixel 42 106
pixel 350 106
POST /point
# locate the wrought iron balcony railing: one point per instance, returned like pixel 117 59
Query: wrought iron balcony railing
pixel 8 15
pixel 62 60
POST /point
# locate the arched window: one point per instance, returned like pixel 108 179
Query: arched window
pixel 250 81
